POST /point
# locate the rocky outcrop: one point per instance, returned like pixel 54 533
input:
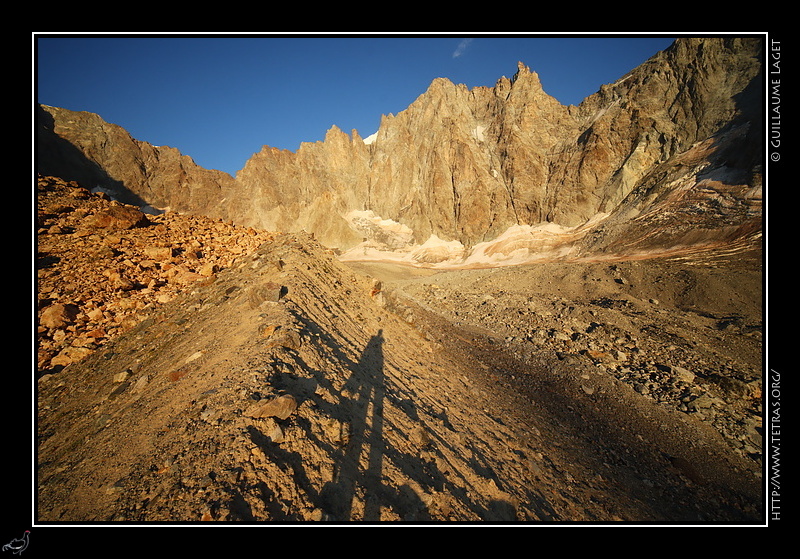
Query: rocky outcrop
pixel 82 147
pixel 461 167
pixel 692 175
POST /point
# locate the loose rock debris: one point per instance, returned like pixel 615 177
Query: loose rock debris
pixel 472 396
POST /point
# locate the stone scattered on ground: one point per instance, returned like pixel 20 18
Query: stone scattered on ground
pixel 99 264
pixel 190 370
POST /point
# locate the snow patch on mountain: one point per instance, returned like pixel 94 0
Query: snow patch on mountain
pixel 387 240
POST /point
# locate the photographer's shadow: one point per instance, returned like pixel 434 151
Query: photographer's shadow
pixel 365 390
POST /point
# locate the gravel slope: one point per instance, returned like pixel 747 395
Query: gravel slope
pixel 290 388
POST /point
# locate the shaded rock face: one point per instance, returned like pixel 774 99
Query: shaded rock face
pixel 462 165
pixel 81 147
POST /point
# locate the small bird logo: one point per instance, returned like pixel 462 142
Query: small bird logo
pixel 18 545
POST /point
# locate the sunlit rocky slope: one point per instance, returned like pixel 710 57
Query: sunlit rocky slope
pixel 194 371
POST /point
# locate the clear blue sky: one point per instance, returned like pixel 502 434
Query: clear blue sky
pixel 219 99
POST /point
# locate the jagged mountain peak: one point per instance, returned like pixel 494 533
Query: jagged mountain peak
pixel 524 72
pixel 466 166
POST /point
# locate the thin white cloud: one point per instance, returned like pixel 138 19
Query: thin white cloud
pixel 462 46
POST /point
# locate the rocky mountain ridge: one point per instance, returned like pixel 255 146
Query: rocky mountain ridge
pixel 463 167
